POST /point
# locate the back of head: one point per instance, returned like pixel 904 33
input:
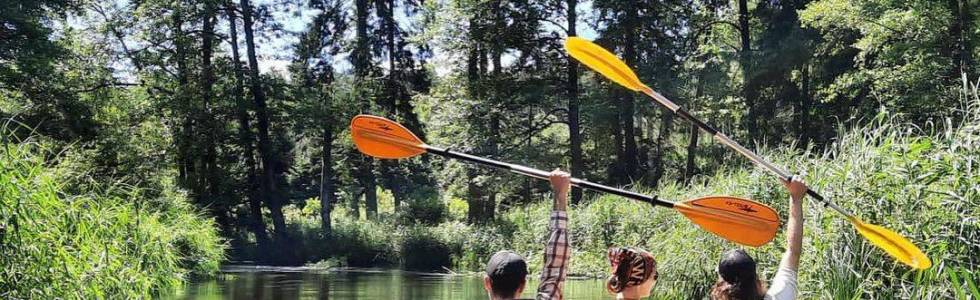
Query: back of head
pixel 507 272
pixel 737 278
pixel 630 267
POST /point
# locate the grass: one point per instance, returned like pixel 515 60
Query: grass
pixel 110 241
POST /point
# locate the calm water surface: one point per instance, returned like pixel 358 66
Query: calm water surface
pixel 258 282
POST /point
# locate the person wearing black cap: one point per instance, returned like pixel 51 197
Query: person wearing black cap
pixel 737 276
pixel 507 271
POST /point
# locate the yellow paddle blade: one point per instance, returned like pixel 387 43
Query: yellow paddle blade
pixel 604 62
pixel 383 138
pixel 894 244
pixel 738 220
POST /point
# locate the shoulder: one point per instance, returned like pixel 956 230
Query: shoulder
pixel 783 285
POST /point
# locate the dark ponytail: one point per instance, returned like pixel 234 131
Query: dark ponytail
pixel 739 291
pixel 737 278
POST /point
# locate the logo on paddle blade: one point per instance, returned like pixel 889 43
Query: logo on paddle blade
pixel 742 206
pixel 383 126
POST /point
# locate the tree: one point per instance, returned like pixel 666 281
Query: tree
pixel 245 135
pixel 320 103
pixel 361 59
pixel 209 181
pixel 749 91
pixel 29 77
pixel 574 132
pixel 268 182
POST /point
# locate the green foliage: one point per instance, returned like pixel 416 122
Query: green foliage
pixel 902 53
pixel 421 250
pixel 109 240
pixel 423 206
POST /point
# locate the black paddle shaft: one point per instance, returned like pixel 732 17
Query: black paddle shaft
pixel 536 173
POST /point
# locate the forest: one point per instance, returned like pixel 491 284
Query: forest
pixel 146 142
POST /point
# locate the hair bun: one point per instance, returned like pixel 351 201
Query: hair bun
pixel 629 267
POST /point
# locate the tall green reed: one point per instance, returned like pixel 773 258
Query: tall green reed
pixel 64 234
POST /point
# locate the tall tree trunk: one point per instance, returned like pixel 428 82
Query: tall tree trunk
pixel 574 132
pixel 494 139
pixel 803 115
pixel 268 182
pixel 629 159
pixel 474 196
pixel 616 173
pixel 256 224
pixel 745 62
pixel 691 168
pixel 393 90
pixel 666 122
pixel 474 72
pixel 526 191
pixel 692 152
pixel 211 178
pixel 385 12
pixel 185 161
pixel 361 55
pixel 362 62
pixel 961 31
pixel 326 180
pixel 491 201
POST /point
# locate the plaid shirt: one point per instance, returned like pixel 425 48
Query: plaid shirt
pixel 556 255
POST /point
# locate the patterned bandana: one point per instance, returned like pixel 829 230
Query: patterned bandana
pixel 630 267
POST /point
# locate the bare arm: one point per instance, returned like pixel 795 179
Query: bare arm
pixel 794 227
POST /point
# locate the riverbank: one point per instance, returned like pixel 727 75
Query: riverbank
pixel 64 234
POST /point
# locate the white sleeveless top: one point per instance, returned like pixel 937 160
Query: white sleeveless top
pixel 783 285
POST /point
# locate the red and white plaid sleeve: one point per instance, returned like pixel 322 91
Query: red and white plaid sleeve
pixel 556 254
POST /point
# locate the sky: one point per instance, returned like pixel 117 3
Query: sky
pixel 275 52
pixel 275 47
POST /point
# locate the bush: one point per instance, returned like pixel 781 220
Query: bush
pixel 422 206
pixel 363 243
pixel 110 241
pixel 421 250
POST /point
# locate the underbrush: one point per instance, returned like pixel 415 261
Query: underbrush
pixel 110 241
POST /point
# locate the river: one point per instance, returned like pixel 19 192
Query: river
pixel 261 282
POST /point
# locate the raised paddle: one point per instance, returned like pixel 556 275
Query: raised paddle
pixel 607 64
pixel 738 220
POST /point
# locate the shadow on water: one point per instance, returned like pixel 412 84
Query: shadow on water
pixel 263 282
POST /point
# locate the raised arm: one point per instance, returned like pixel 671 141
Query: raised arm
pixel 557 250
pixel 794 227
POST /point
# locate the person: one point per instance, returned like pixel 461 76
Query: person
pixel 634 272
pixel 507 271
pixel 737 276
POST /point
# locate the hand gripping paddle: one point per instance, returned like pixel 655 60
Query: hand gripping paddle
pixel 607 64
pixel 738 220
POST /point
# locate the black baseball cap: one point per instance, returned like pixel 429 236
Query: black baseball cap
pixel 507 271
pixel 736 266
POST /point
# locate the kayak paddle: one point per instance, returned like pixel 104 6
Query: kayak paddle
pixel 607 64
pixel 738 220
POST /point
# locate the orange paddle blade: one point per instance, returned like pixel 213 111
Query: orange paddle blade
pixel 738 220
pixel 604 62
pixel 383 138
pixel 894 244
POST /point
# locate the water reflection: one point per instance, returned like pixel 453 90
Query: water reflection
pixel 257 282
